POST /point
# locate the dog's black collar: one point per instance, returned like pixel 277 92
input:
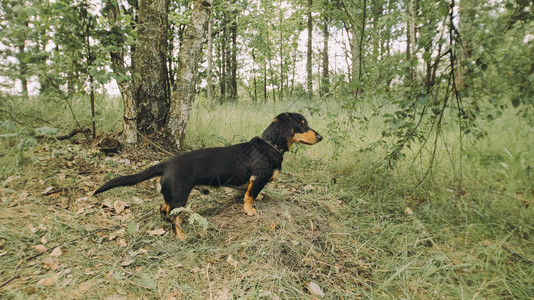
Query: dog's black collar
pixel 273 146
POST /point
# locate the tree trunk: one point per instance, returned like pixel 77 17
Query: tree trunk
pixel 152 89
pixel 183 96
pixel 129 124
pixel 309 73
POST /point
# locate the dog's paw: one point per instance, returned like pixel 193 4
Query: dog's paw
pixel 182 236
pixel 251 211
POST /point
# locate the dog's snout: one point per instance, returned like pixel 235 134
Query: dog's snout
pixel 319 137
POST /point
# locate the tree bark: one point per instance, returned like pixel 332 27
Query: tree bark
pixel 183 96
pixel 152 89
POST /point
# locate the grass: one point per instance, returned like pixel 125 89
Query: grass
pixel 335 216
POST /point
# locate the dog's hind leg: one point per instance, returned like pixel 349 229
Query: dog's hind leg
pixel 175 196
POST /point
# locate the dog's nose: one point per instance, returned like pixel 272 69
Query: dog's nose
pixel 319 137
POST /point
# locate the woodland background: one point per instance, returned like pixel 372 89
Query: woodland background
pixel 422 187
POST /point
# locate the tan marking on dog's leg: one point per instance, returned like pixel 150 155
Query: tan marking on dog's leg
pixel 275 173
pixel 249 200
pixel 178 233
pixel 164 210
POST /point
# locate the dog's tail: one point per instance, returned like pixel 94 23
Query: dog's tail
pixel 156 170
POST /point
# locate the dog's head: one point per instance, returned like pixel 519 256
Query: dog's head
pixel 289 128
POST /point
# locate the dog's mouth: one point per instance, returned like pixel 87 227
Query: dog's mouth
pixel 308 138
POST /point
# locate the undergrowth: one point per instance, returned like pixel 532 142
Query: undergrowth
pixel 338 215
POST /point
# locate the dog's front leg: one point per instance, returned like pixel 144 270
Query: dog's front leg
pixel 254 187
pixel 175 221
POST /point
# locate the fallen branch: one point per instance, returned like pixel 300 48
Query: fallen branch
pixel 68 135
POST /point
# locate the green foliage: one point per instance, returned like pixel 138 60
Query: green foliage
pixel 193 216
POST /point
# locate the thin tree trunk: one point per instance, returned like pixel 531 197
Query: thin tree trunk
pixel 233 65
pixel 264 80
pixel 255 98
pixel 183 96
pixel 325 78
pixel 23 70
pixel 281 53
pixel 210 63
pixel 410 41
pixel 309 73
pixel 129 123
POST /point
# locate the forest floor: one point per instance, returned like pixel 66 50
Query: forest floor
pixel 326 229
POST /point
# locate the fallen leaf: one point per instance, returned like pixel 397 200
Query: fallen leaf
pixel 315 289
pixel 10 179
pixel 47 191
pixel 122 243
pixel 54 195
pixel 44 240
pixel 51 263
pixel 308 188
pixel 107 203
pixel 48 281
pixel 156 232
pixel 137 200
pixel 40 248
pixel 408 211
pixel 119 206
pixel 148 282
pixel 56 252
pixel 82 199
pixel 115 234
pixel 223 294
pixel 231 261
pixel 32 228
pixel 127 262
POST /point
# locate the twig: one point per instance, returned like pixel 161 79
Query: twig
pixel 68 135
pixel 153 144
pixel 14 118
pixel 517 255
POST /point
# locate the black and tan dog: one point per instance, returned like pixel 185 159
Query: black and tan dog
pixel 253 163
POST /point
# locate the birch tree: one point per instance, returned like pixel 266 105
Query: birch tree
pixel 184 94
